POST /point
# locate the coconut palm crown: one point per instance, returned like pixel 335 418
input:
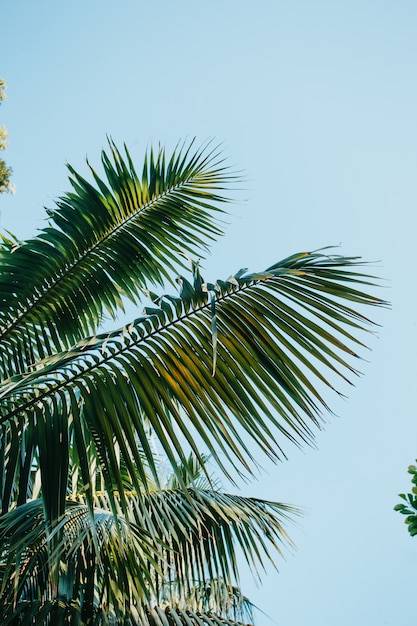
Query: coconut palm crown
pixel 90 531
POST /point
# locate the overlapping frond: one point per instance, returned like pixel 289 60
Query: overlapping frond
pixel 105 241
pixel 206 529
pixel 279 334
pixel 93 564
pixel 172 554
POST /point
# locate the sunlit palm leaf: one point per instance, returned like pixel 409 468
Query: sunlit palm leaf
pixel 203 536
pixel 108 240
pixel 199 532
pixel 95 560
pixel 175 551
pixel 277 332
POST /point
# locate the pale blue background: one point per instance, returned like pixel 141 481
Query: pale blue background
pixel 317 103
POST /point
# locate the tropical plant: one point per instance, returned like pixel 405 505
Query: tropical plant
pixel 172 556
pixel 89 531
pixel 410 507
pixel 5 171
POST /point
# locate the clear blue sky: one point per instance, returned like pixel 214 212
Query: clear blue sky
pixel 317 102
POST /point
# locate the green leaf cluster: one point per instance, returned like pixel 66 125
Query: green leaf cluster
pixel 410 508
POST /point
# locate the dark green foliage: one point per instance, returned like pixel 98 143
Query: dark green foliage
pixel 410 508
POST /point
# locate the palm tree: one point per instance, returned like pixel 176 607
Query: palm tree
pixel 89 531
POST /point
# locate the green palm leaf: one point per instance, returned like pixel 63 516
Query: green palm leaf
pixel 277 331
pixel 106 242
pixel 95 559
pixel 166 554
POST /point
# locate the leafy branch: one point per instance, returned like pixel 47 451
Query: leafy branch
pixel 410 508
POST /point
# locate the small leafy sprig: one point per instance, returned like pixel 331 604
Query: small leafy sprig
pixel 410 509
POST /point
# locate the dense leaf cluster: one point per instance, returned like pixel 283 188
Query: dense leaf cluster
pixel 410 508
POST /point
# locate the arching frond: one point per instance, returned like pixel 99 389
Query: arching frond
pixel 172 553
pixel 106 241
pixel 277 331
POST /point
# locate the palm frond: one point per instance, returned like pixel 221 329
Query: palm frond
pixel 277 331
pixel 173 552
pixel 106 241
pixel 203 530
pixel 96 560
pixel 199 533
